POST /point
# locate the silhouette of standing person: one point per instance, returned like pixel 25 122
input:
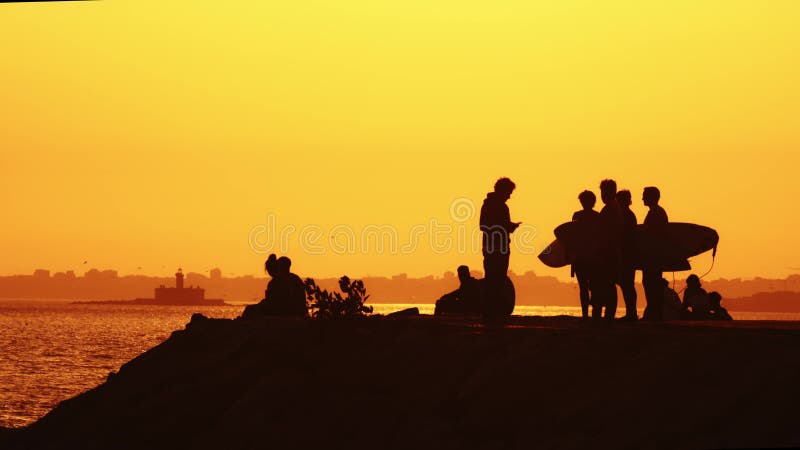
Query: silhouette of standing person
pixel 627 270
pixel 587 221
pixel 496 225
pixel 604 270
pixel 655 224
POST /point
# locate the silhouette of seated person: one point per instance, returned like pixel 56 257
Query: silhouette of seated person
pixel 716 311
pixel 695 299
pixel 672 308
pixel 285 294
pixel 464 300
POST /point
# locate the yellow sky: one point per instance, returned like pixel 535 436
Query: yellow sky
pixel 156 134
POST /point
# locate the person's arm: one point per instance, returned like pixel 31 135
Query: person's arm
pixel 508 225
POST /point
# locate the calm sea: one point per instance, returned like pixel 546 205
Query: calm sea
pixel 53 350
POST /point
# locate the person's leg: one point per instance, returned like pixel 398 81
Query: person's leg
pixel 611 297
pixel 495 267
pixel 503 260
pixel 658 294
pixel 598 291
pixel 647 276
pixel 583 287
pixel 627 284
pixel 654 294
pixel 492 265
pixel 493 271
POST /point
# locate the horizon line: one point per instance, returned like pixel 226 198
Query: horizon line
pixel 230 275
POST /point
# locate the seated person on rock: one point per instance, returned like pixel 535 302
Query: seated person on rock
pixel 672 309
pixel 285 294
pixel 716 311
pixel 695 299
pixel 464 300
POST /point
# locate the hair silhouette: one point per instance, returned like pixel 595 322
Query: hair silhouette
pixel 624 197
pixel 587 199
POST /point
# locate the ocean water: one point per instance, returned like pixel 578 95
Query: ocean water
pixel 53 350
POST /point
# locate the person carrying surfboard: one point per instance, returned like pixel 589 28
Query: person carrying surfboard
pixel 587 219
pixel 604 270
pixel 655 225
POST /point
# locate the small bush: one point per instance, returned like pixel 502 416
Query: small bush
pixel 333 304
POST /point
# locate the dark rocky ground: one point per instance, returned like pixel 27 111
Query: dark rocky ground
pixel 421 382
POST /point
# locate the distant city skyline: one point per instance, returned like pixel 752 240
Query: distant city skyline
pixel 399 288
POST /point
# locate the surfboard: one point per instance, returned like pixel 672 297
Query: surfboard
pixel 555 255
pixel 678 242
pixel 669 251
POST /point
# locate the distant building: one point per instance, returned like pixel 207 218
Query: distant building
pixel 216 274
pixel 105 275
pixel 41 273
pixel 180 295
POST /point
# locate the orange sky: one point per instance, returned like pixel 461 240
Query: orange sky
pixel 161 134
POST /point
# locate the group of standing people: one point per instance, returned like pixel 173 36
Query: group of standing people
pixel 609 256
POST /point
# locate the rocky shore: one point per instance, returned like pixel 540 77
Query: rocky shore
pixel 422 382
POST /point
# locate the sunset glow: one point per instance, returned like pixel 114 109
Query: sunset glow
pixel 142 135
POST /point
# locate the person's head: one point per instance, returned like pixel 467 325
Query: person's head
pixel 665 281
pixel 504 187
pixel 463 273
pixel 270 265
pixel 651 195
pixel 608 191
pixel 624 197
pixel 587 199
pixel 714 299
pixel 693 281
pixel 284 265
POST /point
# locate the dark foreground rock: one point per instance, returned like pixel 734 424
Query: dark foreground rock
pixel 421 382
pixel 5 436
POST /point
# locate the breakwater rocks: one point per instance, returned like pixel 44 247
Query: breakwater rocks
pixel 422 382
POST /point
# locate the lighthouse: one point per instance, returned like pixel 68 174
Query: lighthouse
pixel 180 295
pixel 179 278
